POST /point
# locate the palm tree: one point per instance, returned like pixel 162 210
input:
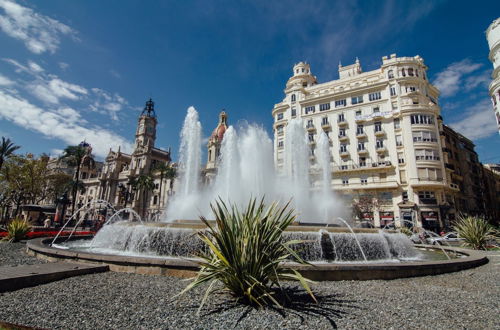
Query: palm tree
pixel 7 149
pixel 144 183
pixel 77 156
pixel 166 172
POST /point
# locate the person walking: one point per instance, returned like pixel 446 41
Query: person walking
pixel 47 222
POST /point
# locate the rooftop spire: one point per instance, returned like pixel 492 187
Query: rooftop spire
pixel 149 109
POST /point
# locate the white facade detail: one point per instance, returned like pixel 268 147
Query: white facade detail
pixel 493 37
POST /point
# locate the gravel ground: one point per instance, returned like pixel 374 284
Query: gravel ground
pixel 13 254
pixel 465 300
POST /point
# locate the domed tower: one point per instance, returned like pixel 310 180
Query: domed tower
pixel 215 141
pixel 145 135
pixel 493 37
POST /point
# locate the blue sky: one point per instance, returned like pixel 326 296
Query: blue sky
pixel 74 70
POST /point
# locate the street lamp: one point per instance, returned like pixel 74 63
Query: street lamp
pixel 62 200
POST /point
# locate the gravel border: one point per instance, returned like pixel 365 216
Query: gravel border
pixel 463 300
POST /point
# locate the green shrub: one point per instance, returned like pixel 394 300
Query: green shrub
pixel 245 253
pixel 17 230
pixel 476 231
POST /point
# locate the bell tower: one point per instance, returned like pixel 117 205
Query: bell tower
pixel 145 134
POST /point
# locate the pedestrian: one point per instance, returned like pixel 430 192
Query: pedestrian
pixel 47 222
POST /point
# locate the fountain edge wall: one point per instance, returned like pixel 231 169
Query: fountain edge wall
pixel 187 267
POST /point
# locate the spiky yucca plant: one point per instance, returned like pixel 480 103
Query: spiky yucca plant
pixel 476 231
pixel 246 251
pixel 17 230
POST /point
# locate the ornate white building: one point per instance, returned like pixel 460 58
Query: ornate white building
pixel 213 148
pixel 113 182
pixel 493 37
pixel 384 135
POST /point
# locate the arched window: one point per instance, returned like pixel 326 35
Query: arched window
pixel 403 73
pixel 410 72
pixel 390 74
pixel 294 98
pixel 209 155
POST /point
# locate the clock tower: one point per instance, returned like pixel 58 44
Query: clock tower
pixel 145 135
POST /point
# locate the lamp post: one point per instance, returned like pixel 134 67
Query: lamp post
pixel 63 201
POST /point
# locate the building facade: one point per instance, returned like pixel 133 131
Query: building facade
pixel 384 133
pixel 493 37
pixel 114 183
pixel 213 148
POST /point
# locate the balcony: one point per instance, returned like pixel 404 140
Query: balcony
pixel 377 115
pixel 310 128
pixel 326 125
pixel 366 166
pixel 379 132
pixel 342 123
pixel 360 119
pixel 428 201
pixel 381 149
pixel 362 151
pixel 343 138
pixel 344 153
pixel 360 135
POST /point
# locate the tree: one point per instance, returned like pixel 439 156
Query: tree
pixel 77 156
pixel 144 183
pixel 7 149
pixel 166 171
pixel 363 204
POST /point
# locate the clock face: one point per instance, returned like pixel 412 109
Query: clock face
pixel 149 129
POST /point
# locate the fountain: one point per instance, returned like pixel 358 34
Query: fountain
pixel 246 169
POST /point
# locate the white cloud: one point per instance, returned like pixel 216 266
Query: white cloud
pixel 450 80
pixel 56 152
pixel 51 91
pixel 63 65
pixel 479 121
pixel 483 79
pixel 35 67
pixel 59 124
pixel 38 32
pixel 107 103
pixel 4 81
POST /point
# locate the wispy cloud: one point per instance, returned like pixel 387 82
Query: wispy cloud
pixel 452 78
pixel 479 121
pixel 55 89
pixel 38 32
pixel 63 123
pixel 107 103
pixel 4 81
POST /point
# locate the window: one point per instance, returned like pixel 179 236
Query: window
pixel 414 101
pixel 310 109
pixel 399 140
pixel 364 180
pixel 359 130
pixel 361 146
pixel 410 72
pixel 426 154
pixel 155 200
pixel 380 144
pixel 343 167
pixel 279 116
pixel 341 117
pixel 376 110
pixel 324 106
pixel 324 121
pixel 358 113
pixel 294 112
pixel 424 136
pixel 397 123
pixel 311 137
pixel 357 99
pixel 404 194
pixel 390 74
pixel 378 126
pixel 426 194
pixel 310 124
pixel 416 72
pixel 280 144
pixel 362 161
pixel 403 73
pixel 374 96
pixel 411 89
pixel 279 129
pixel 342 132
pixel 401 158
pixel 294 98
pixel 340 103
pixel 393 90
pixel 421 119
pixel 343 148
pixel 345 181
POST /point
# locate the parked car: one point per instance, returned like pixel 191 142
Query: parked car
pixel 448 238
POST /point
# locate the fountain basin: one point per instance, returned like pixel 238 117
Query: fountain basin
pixel 320 270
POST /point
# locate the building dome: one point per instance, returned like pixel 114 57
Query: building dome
pixel 218 133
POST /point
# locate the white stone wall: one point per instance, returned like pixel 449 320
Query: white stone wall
pixel 493 37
